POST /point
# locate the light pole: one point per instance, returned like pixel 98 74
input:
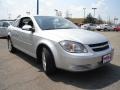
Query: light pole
pixel 68 14
pixel 9 16
pixel 58 13
pixel 84 9
pixel 37 7
pixel 115 20
pixel 94 11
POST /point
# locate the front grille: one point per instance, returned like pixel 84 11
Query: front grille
pixel 99 46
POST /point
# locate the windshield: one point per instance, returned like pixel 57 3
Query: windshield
pixel 51 22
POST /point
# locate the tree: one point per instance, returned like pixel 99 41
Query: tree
pixel 99 20
pixel 90 19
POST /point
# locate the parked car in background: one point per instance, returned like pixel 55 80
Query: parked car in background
pixel 58 43
pixel 89 26
pixel 104 27
pixel 4 27
pixel 117 28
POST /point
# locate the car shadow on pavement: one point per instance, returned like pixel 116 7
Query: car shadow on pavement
pixel 3 37
pixel 29 60
pixel 95 79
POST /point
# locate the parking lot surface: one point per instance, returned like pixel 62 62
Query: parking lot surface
pixel 20 72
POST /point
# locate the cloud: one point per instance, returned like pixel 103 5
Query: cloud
pixel 48 3
pixel 99 3
pixel 101 7
pixel 47 7
pixel 16 7
pixel 75 10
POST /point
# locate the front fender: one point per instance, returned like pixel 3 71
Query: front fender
pixel 51 45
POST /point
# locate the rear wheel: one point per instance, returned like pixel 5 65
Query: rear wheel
pixel 10 46
pixel 48 61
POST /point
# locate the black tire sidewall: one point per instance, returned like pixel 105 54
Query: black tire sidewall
pixel 12 50
pixel 50 64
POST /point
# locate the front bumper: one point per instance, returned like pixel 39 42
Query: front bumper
pixel 82 62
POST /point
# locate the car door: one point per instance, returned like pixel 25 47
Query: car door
pixel 25 37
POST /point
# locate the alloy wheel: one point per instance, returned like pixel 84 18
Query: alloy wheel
pixel 44 61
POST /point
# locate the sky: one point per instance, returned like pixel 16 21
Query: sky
pixel 107 9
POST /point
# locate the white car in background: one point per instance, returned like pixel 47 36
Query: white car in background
pixel 89 26
pixel 4 28
pixel 105 27
pixel 58 43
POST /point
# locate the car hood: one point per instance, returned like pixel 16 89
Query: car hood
pixel 78 35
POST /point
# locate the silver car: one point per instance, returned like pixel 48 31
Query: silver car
pixel 3 28
pixel 104 27
pixel 58 43
pixel 89 26
pixel 4 24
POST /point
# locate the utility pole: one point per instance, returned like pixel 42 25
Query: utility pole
pixel 94 11
pixel 37 7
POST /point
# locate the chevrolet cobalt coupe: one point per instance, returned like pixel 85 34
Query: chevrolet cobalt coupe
pixel 58 43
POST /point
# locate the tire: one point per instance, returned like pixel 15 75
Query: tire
pixel 88 28
pixel 105 29
pixel 98 29
pixel 48 61
pixel 10 46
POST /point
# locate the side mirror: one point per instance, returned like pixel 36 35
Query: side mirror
pixel 28 28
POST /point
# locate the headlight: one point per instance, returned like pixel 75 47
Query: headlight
pixel 73 47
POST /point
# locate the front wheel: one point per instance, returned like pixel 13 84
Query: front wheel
pixel 48 61
pixel 10 46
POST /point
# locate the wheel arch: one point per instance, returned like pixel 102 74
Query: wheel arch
pixel 9 35
pixel 47 45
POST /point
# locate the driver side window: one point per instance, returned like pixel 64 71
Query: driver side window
pixel 25 21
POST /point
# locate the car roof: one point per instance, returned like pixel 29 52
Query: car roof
pixel 5 20
pixel 21 16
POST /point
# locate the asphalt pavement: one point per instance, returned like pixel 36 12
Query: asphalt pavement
pixel 19 71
